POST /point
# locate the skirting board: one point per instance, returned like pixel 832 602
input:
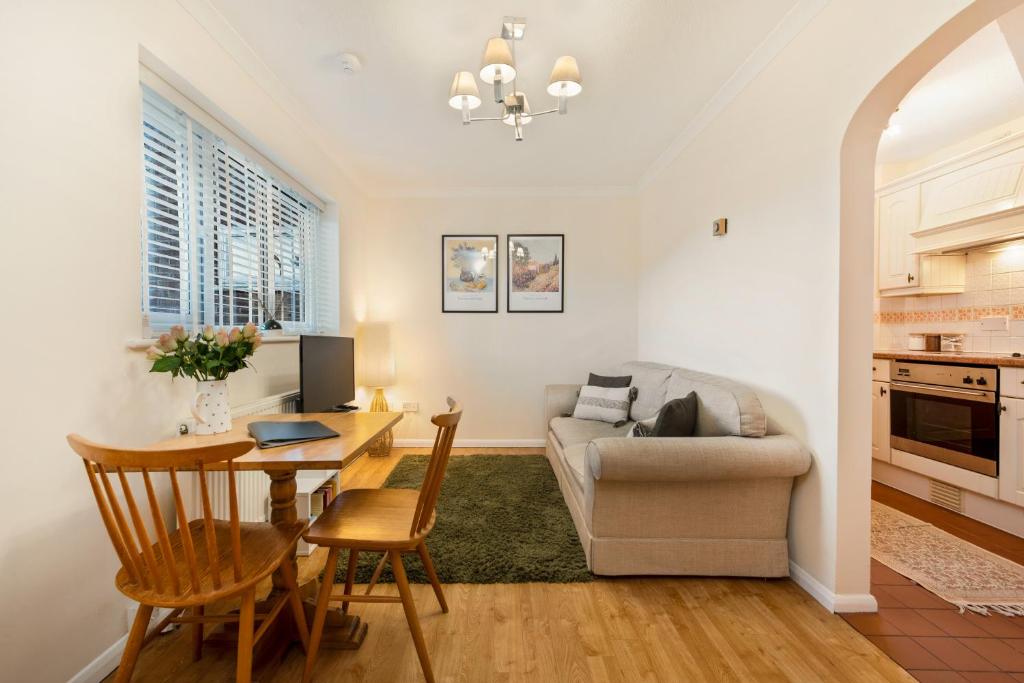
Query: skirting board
pixel 101 667
pixel 474 443
pixel 833 602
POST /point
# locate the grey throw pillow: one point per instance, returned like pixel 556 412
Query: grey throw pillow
pixel 609 382
pixel 678 417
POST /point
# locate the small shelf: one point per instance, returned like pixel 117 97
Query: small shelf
pixel 307 482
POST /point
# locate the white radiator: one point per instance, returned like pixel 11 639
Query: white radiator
pixel 253 487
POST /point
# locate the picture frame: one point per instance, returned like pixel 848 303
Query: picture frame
pixel 469 273
pixel 535 273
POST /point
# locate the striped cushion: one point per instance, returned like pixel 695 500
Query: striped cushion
pixel 606 404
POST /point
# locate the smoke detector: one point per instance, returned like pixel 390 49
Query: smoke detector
pixel 350 63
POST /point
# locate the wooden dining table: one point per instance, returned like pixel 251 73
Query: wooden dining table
pixel 357 432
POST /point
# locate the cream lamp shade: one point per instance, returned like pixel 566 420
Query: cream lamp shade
pixel 497 61
pixel 525 117
pixel 565 78
pixel 463 86
pixel 373 353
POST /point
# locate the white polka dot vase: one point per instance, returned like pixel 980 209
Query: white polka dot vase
pixel 210 408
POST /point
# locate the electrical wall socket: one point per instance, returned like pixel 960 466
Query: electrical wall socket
pixel 720 227
pixel 410 407
pixel 995 323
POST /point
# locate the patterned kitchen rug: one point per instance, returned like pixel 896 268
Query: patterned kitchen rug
pixel 957 571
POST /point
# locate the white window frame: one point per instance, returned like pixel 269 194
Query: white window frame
pixel 319 263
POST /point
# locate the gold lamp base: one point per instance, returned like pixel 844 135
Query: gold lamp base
pixel 382 446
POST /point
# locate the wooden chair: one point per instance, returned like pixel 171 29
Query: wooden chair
pixel 395 521
pixel 214 560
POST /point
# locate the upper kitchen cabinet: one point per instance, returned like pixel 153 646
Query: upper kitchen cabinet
pixel 898 217
pixel 901 270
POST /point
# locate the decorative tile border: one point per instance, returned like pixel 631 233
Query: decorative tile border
pixel 966 314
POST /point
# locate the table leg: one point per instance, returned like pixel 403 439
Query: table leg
pixel 341 631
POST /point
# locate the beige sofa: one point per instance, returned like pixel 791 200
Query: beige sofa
pixel 715 504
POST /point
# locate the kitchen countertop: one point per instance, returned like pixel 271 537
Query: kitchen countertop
pixel 977 358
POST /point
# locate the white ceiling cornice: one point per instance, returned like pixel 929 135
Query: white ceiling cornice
pixel 791 25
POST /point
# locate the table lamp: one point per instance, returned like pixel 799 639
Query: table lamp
pixel 376 371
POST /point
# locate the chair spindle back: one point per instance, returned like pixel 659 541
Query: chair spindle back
pixel 430 490
pixel 158 567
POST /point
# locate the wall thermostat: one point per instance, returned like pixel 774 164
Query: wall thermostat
pixel 719 227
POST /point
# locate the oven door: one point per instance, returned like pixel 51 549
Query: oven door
pixel 958 427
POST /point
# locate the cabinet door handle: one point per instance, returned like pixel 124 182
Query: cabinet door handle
pixel 910 278
pixel 1002 408
pixel 881 391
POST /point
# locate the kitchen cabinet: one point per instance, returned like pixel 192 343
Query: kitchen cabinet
pixel 898 216
pixel 880 421
pixel 1011 450
pixel 902 271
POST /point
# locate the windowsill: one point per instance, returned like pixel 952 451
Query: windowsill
pixel 138 344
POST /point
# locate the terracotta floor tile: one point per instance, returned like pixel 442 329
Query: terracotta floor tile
pixel 953 623
pixel 937 676
pixel 955 655
pixel 915 596
pixel 911 622
pixel 998 625
pixel 996 651
pixel 883 576
pixel 874 625
pixel 907 653
pixel 988 677
pixel 884 598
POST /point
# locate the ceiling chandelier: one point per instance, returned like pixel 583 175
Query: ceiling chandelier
pixel 498 67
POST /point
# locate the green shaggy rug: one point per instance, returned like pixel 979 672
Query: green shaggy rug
pixel 500 519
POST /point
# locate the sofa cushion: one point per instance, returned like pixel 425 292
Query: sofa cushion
pixel 605 404
pixel 571 431
pixel 650 380
pixel 724 407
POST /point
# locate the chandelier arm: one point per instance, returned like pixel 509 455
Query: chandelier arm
pixel 542 113
pixel 486 118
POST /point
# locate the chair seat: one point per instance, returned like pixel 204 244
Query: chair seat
pixel 369 519
pixel 263 547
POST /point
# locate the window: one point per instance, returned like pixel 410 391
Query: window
pixel 225 240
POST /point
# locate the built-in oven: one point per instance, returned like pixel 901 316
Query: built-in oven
pixel 948 413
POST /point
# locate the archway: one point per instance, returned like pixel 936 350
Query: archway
pixel 856 287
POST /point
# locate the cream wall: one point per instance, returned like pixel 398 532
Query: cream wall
pixel 497 364
pixel 761 304
pixel 69 197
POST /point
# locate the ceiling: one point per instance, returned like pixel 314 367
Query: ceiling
pixel 976 88
pixel 648 70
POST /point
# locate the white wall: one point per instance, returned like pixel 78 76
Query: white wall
pixel 69 197
pixel 761 305
pixel 497 364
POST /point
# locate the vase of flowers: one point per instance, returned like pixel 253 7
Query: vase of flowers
pixel 208 358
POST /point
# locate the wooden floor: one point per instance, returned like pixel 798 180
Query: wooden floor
pixel 929 636
pixel 630 629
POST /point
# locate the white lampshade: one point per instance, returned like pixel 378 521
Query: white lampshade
pixel 497 60
pixel 463 85
pixel 373 353
pixel 524 117
pixel 566 73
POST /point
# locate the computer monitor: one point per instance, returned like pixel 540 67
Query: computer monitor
pixel 326 373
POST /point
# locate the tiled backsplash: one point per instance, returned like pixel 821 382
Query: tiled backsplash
pixel 994 286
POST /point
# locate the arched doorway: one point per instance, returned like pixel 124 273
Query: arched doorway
pixel 856 287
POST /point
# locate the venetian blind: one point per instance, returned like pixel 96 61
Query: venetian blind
pixel 225 240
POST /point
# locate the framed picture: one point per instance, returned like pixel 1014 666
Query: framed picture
pixel 469 273
pixel 536 270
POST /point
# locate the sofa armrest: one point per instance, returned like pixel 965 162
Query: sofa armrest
pixel 696 458
pixel 559 399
